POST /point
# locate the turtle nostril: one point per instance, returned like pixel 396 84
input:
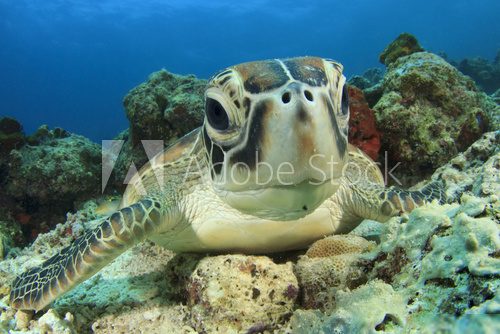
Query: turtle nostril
pixel 308 95
pixel 285 97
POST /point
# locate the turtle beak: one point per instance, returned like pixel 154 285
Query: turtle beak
pixel 304 132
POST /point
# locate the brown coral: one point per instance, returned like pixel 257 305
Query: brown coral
pixel 339 244
pixel 332 262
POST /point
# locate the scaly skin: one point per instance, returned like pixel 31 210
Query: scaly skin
pixel 86 255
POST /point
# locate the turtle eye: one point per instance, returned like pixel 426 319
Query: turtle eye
pixel 216 114
pixel 345 101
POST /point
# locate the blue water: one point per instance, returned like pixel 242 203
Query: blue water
pixel 69 63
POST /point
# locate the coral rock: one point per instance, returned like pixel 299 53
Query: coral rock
pixel 363 132
pixel 496 96
pixel 404 45
pixel 23 319
pixel 369 78
pixel 371 308
pixel 51 176
pixel 51 322
pixel 486 74
pixel 11 135
pixel 338 245
pixel 476 170
pixel 332 262
pixel 165 107
pixel 57 171
pixel 236 293
pixel 429 112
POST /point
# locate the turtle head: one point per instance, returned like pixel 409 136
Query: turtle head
pixel 276 135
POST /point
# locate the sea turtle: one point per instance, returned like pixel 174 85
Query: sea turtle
pixel 270 170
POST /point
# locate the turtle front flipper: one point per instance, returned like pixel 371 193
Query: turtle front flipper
pixel 396 201
pixel 384 203
pixel 38 287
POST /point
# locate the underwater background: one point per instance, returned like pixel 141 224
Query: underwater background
pixel 69 63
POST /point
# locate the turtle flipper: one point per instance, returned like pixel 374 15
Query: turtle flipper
pixel 396 201
pixel 38 287
pixel 379 203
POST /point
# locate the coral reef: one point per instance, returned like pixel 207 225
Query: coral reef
pixel 405 44
pixel 429 112
pixel 496 96
pixel 373 307
pixel 11 136
pixel 59 169
pixel 165 107
pixel 485 73
pixel 476 170
pixel 363 132
pixel 47 177
pixel 434 269
pixel 10 235
pixel 369 78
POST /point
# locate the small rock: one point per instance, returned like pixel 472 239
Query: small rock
pixel 404 45
pixel 236 293
pixel 23 319
pixel 152 315
pixel 51 321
